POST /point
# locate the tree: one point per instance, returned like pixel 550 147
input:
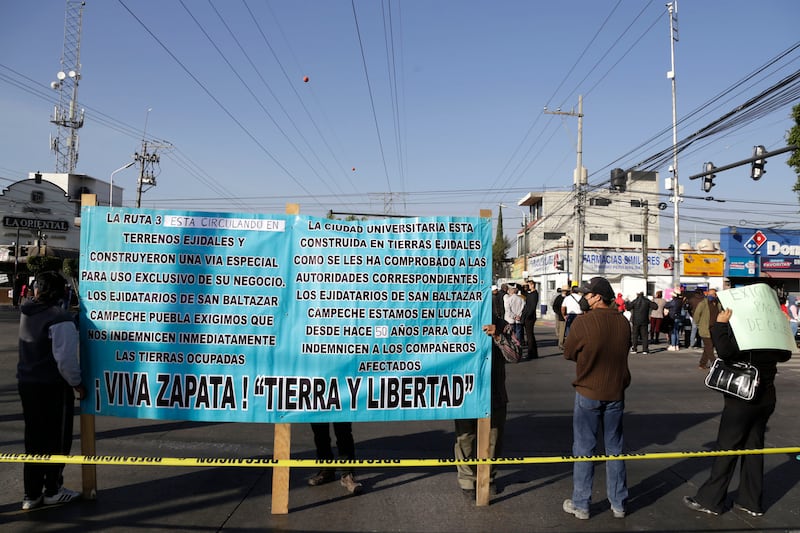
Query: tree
pixel 70 269
pixel 44 263
pixel 499 248
pixel 793 138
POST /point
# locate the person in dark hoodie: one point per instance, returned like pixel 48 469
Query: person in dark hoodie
pixel 49 379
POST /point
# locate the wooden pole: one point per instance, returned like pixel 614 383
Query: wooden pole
pixel 88 438
pixel 484 428
pixel 282 444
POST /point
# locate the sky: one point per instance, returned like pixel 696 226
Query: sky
pixel 411 107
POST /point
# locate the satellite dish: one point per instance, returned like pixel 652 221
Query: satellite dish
pixel 61 75
pixel 72 74
pixel 54 85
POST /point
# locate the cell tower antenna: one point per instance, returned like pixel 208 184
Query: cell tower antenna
pixel 66 115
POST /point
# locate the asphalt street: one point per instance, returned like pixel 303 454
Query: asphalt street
pixel 668 409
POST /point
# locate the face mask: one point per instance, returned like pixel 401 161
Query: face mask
pixel 584 304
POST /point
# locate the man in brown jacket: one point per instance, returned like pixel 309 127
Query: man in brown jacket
pixel 598 342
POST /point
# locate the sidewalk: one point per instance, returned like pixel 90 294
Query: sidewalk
pixel 668 409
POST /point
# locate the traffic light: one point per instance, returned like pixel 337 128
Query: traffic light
pixel 560 264
pixel 708 179
pixel 619 181
pixel 757 166
pixel 12 249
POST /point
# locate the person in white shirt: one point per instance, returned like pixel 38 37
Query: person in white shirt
pixel 570 308
pixel 514 305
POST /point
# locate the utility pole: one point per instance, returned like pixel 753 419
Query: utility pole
pixel 147 176
pixel 65 115
pixel 645 221
pixel 676 196
pixel 579 186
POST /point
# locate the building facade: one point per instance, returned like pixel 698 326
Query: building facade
pixel 621 242
pixel 40 217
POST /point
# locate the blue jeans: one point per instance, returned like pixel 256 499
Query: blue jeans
pixel 586 419
pixel 677 331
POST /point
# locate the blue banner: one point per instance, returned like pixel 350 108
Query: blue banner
pixel 284 318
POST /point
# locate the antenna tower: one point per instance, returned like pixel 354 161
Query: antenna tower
pixel 66 115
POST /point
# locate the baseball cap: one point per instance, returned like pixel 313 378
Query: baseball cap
pixel 598 285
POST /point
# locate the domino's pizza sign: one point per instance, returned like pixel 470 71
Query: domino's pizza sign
pixel 755 242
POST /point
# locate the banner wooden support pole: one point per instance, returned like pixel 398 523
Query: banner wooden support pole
pixel 282 444
pixel 484 428
pixel 88 438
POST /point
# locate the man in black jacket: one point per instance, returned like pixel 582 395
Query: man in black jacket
pixel 640 319
pixel 529 319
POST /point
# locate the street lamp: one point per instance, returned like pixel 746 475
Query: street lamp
pixel 111 181
pixel 524 237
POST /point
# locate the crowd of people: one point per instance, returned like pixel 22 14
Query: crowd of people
pixel 685 320
pixel 517 305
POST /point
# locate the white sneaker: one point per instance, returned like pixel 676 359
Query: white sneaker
pixel 64 495
pixel 580 514
pixel 28 504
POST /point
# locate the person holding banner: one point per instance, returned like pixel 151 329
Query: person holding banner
pixel 504 349
pixel 49 379
pixel 743 423
pixel 347 450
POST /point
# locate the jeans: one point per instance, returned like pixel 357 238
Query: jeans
pixel 519 332
pixel 677 331
pixel 586 419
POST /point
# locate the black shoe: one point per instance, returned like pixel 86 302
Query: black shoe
pixel 748 511
pixel 692 504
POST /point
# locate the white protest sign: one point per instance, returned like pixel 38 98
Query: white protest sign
pixel 757 319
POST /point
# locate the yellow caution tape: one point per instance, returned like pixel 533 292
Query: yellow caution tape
pixel 307 463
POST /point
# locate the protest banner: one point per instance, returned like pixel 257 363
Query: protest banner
pixel 284 318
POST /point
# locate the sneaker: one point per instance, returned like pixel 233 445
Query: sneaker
pixel 64 495
pixel 748 511
pixel 350 484
pixel 618 513
pixel 692 504
pixel 580 514
pixel 28 503
pixel 323 476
